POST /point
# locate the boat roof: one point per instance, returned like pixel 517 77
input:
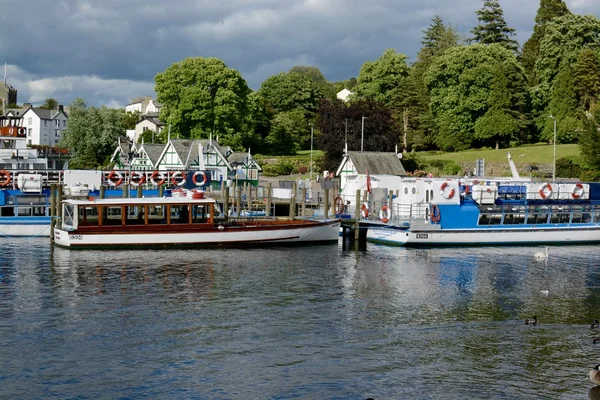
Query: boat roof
pixel 133 201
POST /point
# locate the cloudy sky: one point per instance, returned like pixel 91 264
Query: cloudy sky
pixel 109 51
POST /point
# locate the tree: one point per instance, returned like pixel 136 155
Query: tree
pixel 200 96
pixel 574 33
pixel 436 40
pixel 92 134
pixel 325 88
pixel 587 78
pixel 130 120
pixel 382 79
pixel 334 116
pixel 589 140
pixel 471 82
pixel 548 10
pixel 492 27
pixel 50 104
pixel 291 91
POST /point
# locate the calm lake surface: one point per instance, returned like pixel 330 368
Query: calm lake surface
pixel 297 323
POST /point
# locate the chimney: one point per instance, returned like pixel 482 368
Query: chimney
pixel 60 108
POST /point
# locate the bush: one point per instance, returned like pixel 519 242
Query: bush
pixel 567 167
pixel 284 168
pixel 269 170
pixel 302 169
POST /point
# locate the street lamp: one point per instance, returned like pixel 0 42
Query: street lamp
pixel 362 133
pixel 311 149
pixel 554 157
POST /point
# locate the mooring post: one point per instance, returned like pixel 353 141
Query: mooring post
pixel 238 201
pixel 102 191
pixel 357 216
pixel 226 203
pixel 293 201
pixel 326 204
pixel 303 213
pixel 268 206
pixel 53 207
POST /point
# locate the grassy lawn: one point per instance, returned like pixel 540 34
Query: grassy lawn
pixel 539 154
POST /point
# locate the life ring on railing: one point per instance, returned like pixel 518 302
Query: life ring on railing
pixel 364 210
pixel 115 178
pixel 448 195
pixel 545 190
pixel 174 180
pixel 195 178
pixel 156 174
pixel 385 214
pixel 339 205
pixel 434 214
pixel 578 191
pixel 4 177
pixel 139 178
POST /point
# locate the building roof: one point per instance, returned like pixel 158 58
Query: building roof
pixel 153 118
pixel 46 114
pixel 153 151
pixel 242 158
pixel 378 163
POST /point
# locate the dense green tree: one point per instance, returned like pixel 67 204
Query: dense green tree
pixel 563 106
pixel 92 134
pixel 471 82
pixel 288 130
pixel 587 78
pixel 548 10
pixel 324 87
pixel 420 132
pixel 200 96
pixel 492 27
pixel 150 136
pixel 291 91
pixel 50 104
pixel 574 33
pixel 381 80
pixel 130 120
pixel 589 139
pixel 334 116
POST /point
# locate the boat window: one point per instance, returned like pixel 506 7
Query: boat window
pixel 560 214
pixel 112 215
pixel 490 215
pixel 7 211
pixel 581 214
pixel 39 211
pixel 514 215
pixel 199 214
pixel 537 215
pixel 87 216
pixel 180 214
pixel 414 190
pixel 24 211
pixel 135 215
pixel 405 190
pixel 157 214
pixel 68 211
pixel 596 214
pixel 427 196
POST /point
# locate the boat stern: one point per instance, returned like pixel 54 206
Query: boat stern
pixel 61 238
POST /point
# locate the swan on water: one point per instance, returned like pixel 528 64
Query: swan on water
pixel 540 255
pixel 532 321
pixel 595 375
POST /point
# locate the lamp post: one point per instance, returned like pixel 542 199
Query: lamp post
pixel 311 150
pixel 362 133
pixel 554 156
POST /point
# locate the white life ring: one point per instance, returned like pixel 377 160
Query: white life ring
pixel 578 191
pixel 176 175
pixel 199 182
pixel 545 190
pixel 139 178
pixel 385 214
pixel 445 193
pixel 364 210
pixel 115 178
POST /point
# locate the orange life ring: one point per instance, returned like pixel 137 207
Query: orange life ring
pixel 385 214
pixel 197 194
pixel 111 178
pixel 156 174
pixel 545 190
pixel 176 175
pixel 443 190
pixel 435 216
pixel 339 205
pixel 140 178
pixel 4 178
pixel 578 191
pixel 195 178
pixel 364 210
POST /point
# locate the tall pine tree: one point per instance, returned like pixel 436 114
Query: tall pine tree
pixel 492 27
pixel 549 9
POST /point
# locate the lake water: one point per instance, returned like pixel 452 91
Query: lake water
pixel 297 323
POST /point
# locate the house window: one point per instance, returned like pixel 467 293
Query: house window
pixel 57 133
pixel 29 132
pixel 65 123
pixel 29 121
pixel 57 122
pixel 29 142
pixel 45 122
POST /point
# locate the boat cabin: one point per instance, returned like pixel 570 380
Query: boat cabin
pixel 135 213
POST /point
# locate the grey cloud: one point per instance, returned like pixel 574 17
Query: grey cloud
pixel 125 43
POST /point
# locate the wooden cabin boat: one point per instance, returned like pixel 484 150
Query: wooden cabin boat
pixel 177 222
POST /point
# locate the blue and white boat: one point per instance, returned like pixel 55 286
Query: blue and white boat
pixel 456 212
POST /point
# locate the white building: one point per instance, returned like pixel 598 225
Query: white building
pixel 149 122
pixel 344 95
pixel 44 127
pixel 143 105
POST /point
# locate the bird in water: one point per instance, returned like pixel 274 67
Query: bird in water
pixel 533 321
pixel 596 340
pixel 541 255
pixel 595 324
pixel 595 375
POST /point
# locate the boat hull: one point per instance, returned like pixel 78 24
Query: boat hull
pixel 25 227
pixel 485 237
pixel 229 236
